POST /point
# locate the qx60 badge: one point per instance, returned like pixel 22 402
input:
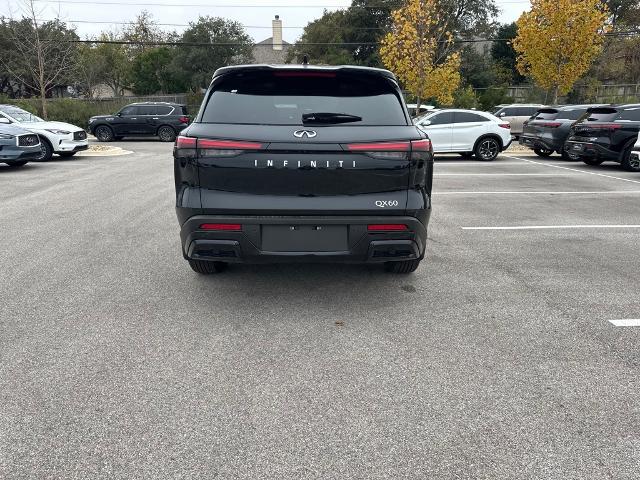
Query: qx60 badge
pixel 304 133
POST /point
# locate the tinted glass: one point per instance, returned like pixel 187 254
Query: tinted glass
pixel 630 114
pixel 183 109
pixel 147 110
pixel 546 114
pixel 509 112
pixel 571 114
pixel 127 111
pixel 600 115
pixel 441 118
pixel 462 117
pixel 281 98
pixel 163 110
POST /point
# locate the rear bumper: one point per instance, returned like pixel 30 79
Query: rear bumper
pixel 591 150
pixel 246 246
pixel 533 142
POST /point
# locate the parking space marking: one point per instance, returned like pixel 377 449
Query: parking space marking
pixel 540 192
pixel 578 170
pixel 549 227
pixel 627 322
pixel 505 175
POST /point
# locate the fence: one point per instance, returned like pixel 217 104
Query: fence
pixel 581 94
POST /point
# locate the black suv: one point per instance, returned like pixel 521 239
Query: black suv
pixel 157 119
pixel 606 134
pixel 547 130
pixel 301 163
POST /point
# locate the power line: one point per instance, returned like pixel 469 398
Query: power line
pixel 186 24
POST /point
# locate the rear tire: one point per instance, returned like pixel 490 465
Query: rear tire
pixel 628 163
pixel 204 267
pixel 66 154
pixel 167 134
pixel 104 134
pixel 592 161
pixel 543 152
pixel 17 163
pixel 405 266
pixel 487 149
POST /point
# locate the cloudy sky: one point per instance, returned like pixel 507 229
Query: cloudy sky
pixel 92 17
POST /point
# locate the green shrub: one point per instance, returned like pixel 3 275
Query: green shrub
pixel 465 98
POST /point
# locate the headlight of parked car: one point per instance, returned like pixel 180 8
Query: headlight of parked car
pixel 58 132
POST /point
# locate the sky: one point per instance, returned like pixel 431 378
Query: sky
pixel 93 17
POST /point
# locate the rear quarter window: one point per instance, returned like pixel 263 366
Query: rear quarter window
pixel 160 110
pixel 281 98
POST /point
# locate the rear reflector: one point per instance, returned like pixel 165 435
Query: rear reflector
pixel 387 227
pixel 221 226
pixel 506 125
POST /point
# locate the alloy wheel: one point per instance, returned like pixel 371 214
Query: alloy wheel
pixel 488 149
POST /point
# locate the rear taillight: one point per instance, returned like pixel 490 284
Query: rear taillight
pixel 191 147
pixel 236 227
pixel 184 119
pixel 387 227
pixel 507 125
pixel 391 150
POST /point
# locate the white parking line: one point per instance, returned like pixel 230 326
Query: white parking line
pixel 505 175
pixel 578 170
pixel 542 192
pixel 627 322
pixel 549 227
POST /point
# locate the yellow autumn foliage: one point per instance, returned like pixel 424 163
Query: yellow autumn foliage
pixel 417 51
pixel 558 39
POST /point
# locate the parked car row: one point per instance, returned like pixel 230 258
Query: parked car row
pixel 591 133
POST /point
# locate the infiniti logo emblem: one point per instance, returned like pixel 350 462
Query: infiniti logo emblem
pixel 304 133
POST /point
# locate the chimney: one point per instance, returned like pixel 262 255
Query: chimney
pixel 277 33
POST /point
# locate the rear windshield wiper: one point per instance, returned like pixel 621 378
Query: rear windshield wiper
pixel 326 117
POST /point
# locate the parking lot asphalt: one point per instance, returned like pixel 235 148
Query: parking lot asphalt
pixel 496 359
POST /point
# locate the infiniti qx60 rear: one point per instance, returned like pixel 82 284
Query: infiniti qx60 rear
pixel 301 163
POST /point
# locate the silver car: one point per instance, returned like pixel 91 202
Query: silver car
pixel 516 114
pixel 17 145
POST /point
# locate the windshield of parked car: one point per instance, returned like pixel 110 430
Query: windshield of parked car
pixel 284 98
pixel 19 115
pixel 599 115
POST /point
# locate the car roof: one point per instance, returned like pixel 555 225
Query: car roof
pixel 156 103
pixel 312 68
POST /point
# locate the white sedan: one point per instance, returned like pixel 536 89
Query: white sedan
pixel 468 132
pixel 55 137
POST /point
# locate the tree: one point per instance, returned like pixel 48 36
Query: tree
pixel 557 41
pixel 418 51
pixel 151 72
pixel 502 51
pixel 40 54
pixel 352 35
pixel 229 45
pixel 141 33
pixel 116 63
pixel 90 68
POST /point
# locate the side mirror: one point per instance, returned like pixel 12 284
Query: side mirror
pixel 425 123
pixel 4 120
pixel 502 114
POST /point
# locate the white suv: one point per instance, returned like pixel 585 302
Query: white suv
pixel 55 137
pixel 466 132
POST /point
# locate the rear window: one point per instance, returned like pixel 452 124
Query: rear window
pixel 281 98
pixel 546 114
pixel 600 115
pixel 573 114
